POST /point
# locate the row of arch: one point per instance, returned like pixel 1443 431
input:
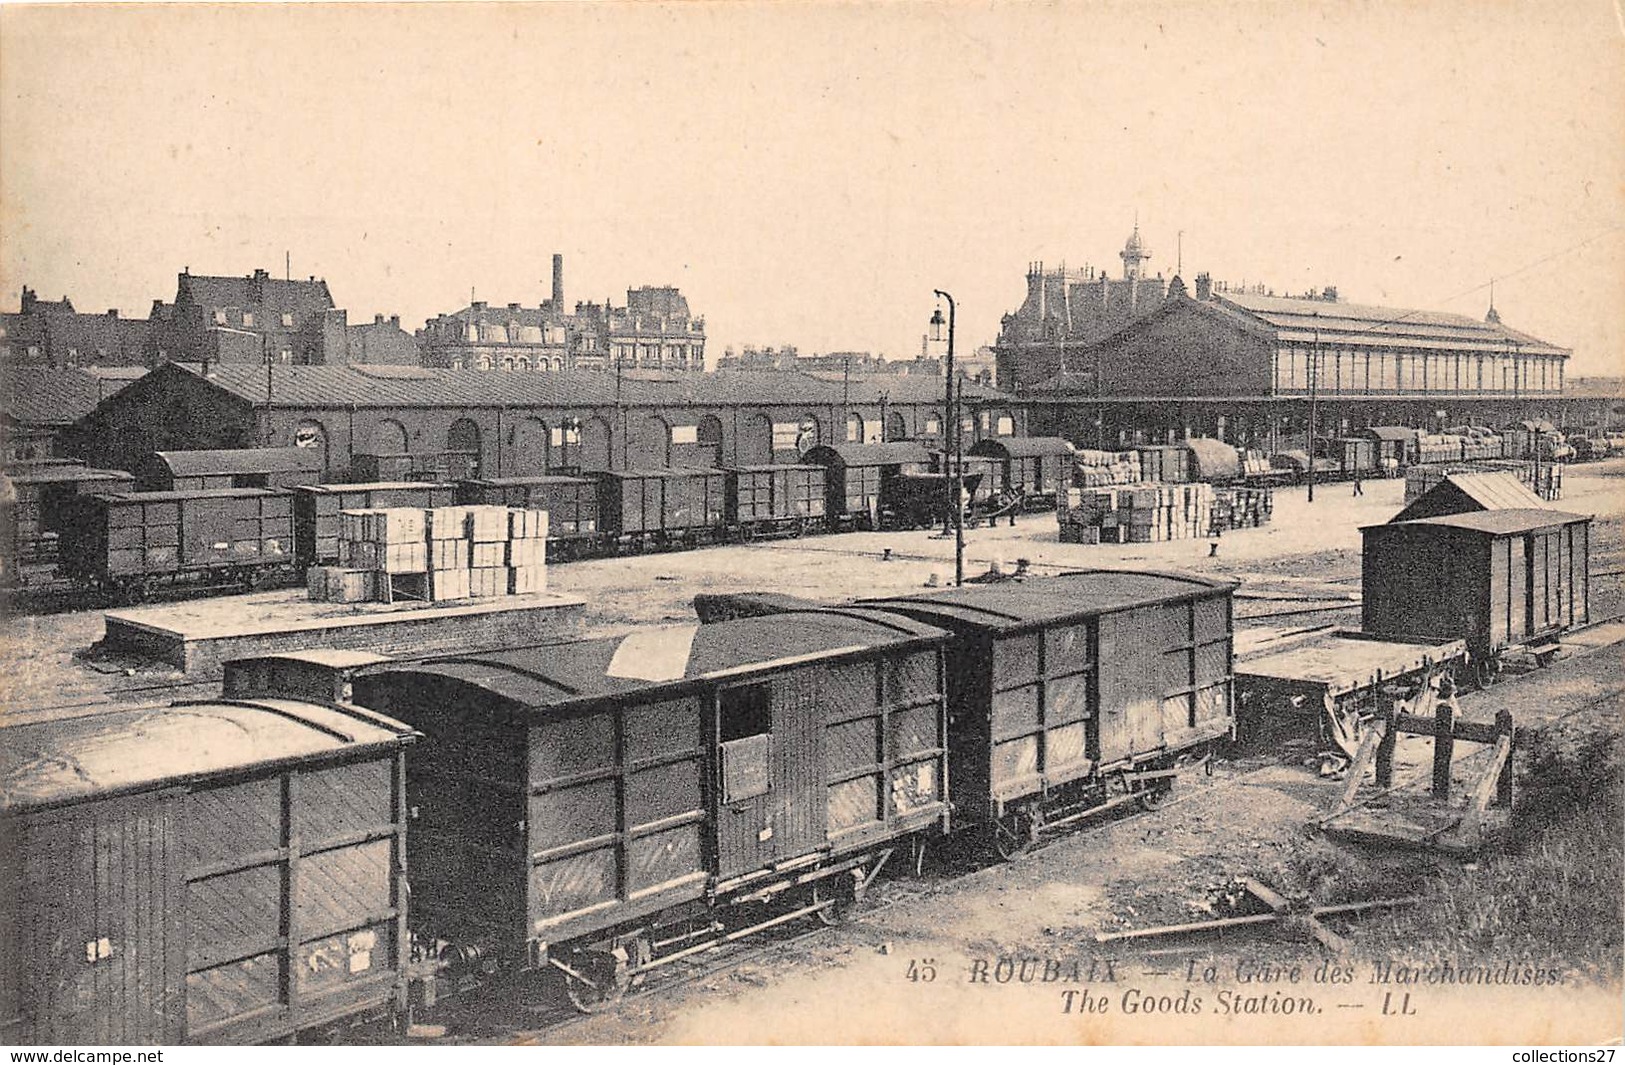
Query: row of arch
pixel 530 444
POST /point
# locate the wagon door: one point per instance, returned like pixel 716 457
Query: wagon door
pixel 98 893
pixel 798 787
pixel 744 795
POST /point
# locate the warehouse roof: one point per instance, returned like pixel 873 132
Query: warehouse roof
pixel 1495 522
pixel 244 460
pixel 554 675
pixel 77 759
pixel 1081 594
pixel 62 473
pixel 902 388
pixel 46 395
pixel 1299 320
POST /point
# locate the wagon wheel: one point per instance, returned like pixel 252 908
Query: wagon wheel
pixel 798 528
pixel 1155 794
pixel 1484 672
pixel 747 532
pixel 840 903
pixel 1015 835
pixel 594 980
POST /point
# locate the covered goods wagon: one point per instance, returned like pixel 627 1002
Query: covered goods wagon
pixel 859 474
pixel 41 496
pixel 316 510
pixel 647 506
pixel 251 467
pixel 1499 579
pixel 783 497
pixel 1070 694
pixel 597 806
pixel 226 871
pixel 136 536
pixel 1036 467
pixel 571 504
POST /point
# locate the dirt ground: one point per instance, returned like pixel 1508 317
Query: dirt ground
pixel 911 967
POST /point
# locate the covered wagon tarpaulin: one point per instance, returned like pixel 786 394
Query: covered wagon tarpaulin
pixel 1213 460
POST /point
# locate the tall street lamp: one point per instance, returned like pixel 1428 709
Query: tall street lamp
pixel 957 502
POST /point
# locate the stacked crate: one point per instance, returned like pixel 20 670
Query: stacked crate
pixel 1242 508
pixel 1255 464
pixel 1097 469
pixel 439 554
pixel 527 551
pixel 375 545
pixel 1137 514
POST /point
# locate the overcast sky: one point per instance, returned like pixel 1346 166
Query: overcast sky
pixel 808 173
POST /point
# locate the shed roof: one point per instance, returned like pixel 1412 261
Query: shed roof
pixel 1303 321
pixel 1494 522
pixel 66 474
pixel 369 486
pixel 78 759
pixel 870 454
pixel 1017 447
pixel 543 478
pixel 664 656
pixel 1467 492
pixel 246 460
pixel 1069 596
pixel 1388 432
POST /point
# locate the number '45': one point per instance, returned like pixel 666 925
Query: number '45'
pixel 921 970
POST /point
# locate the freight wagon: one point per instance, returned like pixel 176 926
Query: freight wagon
pixel 132 540
pixel 661 508
pixel 1035 468
pixel 251 467
pixel 858 476
pixel 1074 694
pixel 228 871
pixel 34 516
pixel 316 510
pixel 1501 580
pixel 764 500
pixel 606 807
pixel 573 527
pixel 1169 464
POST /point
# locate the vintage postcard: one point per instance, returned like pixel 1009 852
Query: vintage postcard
pixel 609 523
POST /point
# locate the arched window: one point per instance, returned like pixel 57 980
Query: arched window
pixel 854 428
pixel 521 364
pixel 507 362
pixel 463 446
pixel 311 434
pixel 485 362
pixel 709 435
pixel 896 426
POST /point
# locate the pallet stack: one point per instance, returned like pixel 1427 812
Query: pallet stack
pixel 442 554
pixel 1255 464
pixel 1098 469
pixel 1136 514
pixel 1242 508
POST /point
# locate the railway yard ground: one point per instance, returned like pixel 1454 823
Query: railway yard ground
pixel 923 959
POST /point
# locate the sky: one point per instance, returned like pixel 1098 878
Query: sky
pixel 808 173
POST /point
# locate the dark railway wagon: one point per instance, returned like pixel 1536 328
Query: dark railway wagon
pixel 1396 445
pixel 228 871
pixel 775 498
pixel 140 536
pixel 253 467
pixel 858 475
pixel 1499 579
pixel 1169 464
pixel 316 510
pixel 571 504
pixel 661 506
pixel 1354 456
pixel 36 514
pixel 665 786
pixel 1035 467
pixel 1071 694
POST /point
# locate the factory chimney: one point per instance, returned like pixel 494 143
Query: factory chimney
pixel 558 282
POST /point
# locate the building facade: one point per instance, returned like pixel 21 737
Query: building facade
pixel 52 333
pixel 1067 310
pixel 654 330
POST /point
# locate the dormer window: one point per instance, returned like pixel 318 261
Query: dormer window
pixel 248 319
pixel 219 317
pixel 287 321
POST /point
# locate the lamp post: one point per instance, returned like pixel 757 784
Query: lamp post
pixel 1314 396
pixel 954 441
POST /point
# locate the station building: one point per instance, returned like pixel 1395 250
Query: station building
pixel 512 424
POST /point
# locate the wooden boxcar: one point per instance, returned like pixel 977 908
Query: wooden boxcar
pixel 571 504
pixel 1499 579
pixel 316 510
pixel 227 871
pixel 858 475
pixel 251 467
pixel 137 536
pixel 1168 464
pixel 775 498
pixel 1396 445
pixel 1355 456
pixel 650 506
pixel 576 801
pixel 41 495
pixel 1071 694
pixel 1036 467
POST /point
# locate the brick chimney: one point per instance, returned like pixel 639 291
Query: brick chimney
pixel 1204 286
pixel 558 283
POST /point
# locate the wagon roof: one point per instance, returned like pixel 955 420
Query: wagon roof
pixel 1018 447
pixel 1497 522
pixel 873 454
pixel 1068 596
pixel 69 760
pixel 240 460
pixel 196 493
pixel 669 471
pixel 65 474
pixel 541 478
pixel 665 656
pixel 1388 432
pixel 370 486
pixel 772 467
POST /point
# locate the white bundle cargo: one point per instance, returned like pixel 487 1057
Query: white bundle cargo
pixel 527 524
pixel 488 581
pixel 449 554
pixel 446 585
pixel 383 525
pixel 1144 513
pixel 403 558
pixel 486 556
pixel 527 552
pixel 487 524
